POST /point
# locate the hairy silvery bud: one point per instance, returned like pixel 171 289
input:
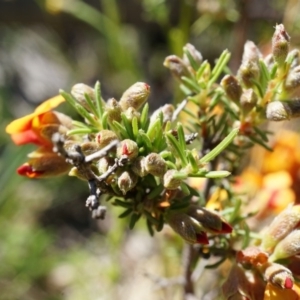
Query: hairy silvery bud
pixel 104 163
pixel 283 110
pixel 194 53
pixel 248 100
pixel 280 44
pixel 135 96
pixel 113 110
pixel 232 88
pixel 171 181
pixel 127 181
pixel 88 148
pixel 138 166
pixel 104 137
pixel 167 111
pixel 131 112
pixel 287 247
pixel 127 148
pixel 79 90
pixel 177 66
pixel 188 228
pixel 249 69
pixel 155 164
pixel 279 276
pixel 293 79
pixel 281 226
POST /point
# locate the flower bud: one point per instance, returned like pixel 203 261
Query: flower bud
pixel 195 54
pixel 44 163
pixel 131 112
pixel 138 166
pixel 135 96
pixel 248 100
pixel 104 163
pixel 127 148
pixel 167 111
pixel 209 220
pixel 249 69
pixel 188 228
pixel 281 226
pixel 171 182
pixel 232 88
pixel 283 110
pixel 104 137
pixel 279 276
pixel 88 148
pixel 293 79
pixel 113 110
pixel 79 90
pixel 287 247
pixel 280 44
pixel 127 181
pixel 155 164
pixel 177 66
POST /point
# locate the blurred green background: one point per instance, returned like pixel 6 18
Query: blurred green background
pixel 50 248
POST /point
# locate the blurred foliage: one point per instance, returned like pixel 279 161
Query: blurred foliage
pixel 50 248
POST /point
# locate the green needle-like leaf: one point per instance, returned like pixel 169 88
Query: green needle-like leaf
pixel 218 149
pixel 99 101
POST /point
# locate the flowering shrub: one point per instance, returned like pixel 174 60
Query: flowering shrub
pixel 145 162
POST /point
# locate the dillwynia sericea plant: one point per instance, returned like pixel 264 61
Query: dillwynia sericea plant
pixel 145 162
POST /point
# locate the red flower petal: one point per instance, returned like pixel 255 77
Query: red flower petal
pixel 202 238
pixel 26 170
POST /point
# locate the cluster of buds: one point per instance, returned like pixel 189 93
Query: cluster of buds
pixel 141 162
pixel 269 270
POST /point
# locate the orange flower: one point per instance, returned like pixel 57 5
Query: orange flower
pixel 38 128
pixel 33 128
pixel 273 292
pixel 44 163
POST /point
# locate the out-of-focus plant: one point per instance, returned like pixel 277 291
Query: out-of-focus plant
pixel 145 163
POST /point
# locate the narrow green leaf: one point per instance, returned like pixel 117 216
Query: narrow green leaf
pixel 149 226
pixel 144 120
pixel 259 142
pixel 202 69
pixel 120 129
pixel 91 105
pixel 262 134
pixel 181 137
pixel 128 126
pixel 69 98
pixel 135 126
pixel 218 69
pixel 154 129
pixel 176 146
pixel 217 174
pixel 124 204
pixel 85 114
pixel 190 84
pixel 134 218
pixel 146 141
pixel 99 101
pixel 155 192
pixel 127 212
pixel 218 149
pixel 80 131
pixel 192 162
